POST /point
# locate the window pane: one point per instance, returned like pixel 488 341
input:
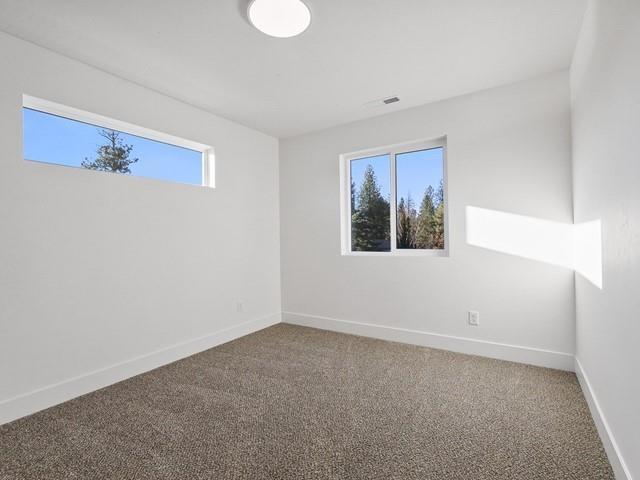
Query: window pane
pixel 370 209
pixel 420 200
pixel 53 139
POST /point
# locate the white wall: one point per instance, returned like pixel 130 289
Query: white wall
pixel 606 165
pixel 98 269
pixel 509 149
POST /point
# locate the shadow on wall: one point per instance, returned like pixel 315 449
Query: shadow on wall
pixel 577 247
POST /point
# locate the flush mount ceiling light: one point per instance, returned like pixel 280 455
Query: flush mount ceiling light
pixel 279 18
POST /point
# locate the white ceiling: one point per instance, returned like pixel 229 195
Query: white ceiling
pixel 205 52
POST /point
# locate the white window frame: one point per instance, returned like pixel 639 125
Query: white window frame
pixel 71 113
pixel 392 151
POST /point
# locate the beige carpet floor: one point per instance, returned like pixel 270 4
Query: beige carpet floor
pixel 297 403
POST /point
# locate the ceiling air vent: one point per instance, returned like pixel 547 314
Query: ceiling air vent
pixel 382 102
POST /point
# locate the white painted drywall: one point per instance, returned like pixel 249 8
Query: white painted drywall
pixel 96 268
pixel 509 150
pixel 606 165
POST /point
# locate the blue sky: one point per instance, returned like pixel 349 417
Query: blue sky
pixel 52 139
pixel 415 172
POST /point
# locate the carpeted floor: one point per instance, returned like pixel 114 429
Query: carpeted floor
pixel 298 403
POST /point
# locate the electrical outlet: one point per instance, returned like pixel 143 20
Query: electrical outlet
pixel 239 307
pixel 474 318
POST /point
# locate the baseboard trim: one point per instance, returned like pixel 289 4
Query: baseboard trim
pixel 501 351
pixel 608 441
pixel 34 401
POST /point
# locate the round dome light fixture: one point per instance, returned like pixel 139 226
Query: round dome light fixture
pixel 279 18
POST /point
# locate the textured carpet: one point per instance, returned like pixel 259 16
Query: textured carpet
pixel 297 403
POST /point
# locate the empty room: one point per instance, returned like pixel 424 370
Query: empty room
pixel 320 239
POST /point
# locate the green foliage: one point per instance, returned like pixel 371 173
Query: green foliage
pixel 353 196
pixel 370 216
pixel 415 229
pixel 437 224
pixel 423 229
pixel 406 224
pixel 424 232
pixel 113 156
pixel 439 194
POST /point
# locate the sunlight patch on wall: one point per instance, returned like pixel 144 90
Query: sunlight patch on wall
pixel 577 247
pixel 588 251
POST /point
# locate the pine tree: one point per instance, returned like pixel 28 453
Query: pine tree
pixel 438 218
pixel 437 222
pixel 113 156
pixel 353 197
pixel 406 223
pixel 437 227
pixel 424 230
pixel 439 195
pixel 370 222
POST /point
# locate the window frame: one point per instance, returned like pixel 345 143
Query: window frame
pixel 345 197
pixel 100 121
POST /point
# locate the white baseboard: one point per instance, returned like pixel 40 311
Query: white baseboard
pixel 608 441
pixel 501 351
pixel 31 402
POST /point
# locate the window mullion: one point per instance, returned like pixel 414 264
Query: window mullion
pixel 392 200
pixel 349 226
pixel 205 168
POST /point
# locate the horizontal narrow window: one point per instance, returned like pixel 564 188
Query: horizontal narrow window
pixel 62 135
pixel 395 200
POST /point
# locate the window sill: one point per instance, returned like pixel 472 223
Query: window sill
pixel 400 253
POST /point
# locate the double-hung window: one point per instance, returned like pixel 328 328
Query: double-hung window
pixel 61 135
pixel 394 200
